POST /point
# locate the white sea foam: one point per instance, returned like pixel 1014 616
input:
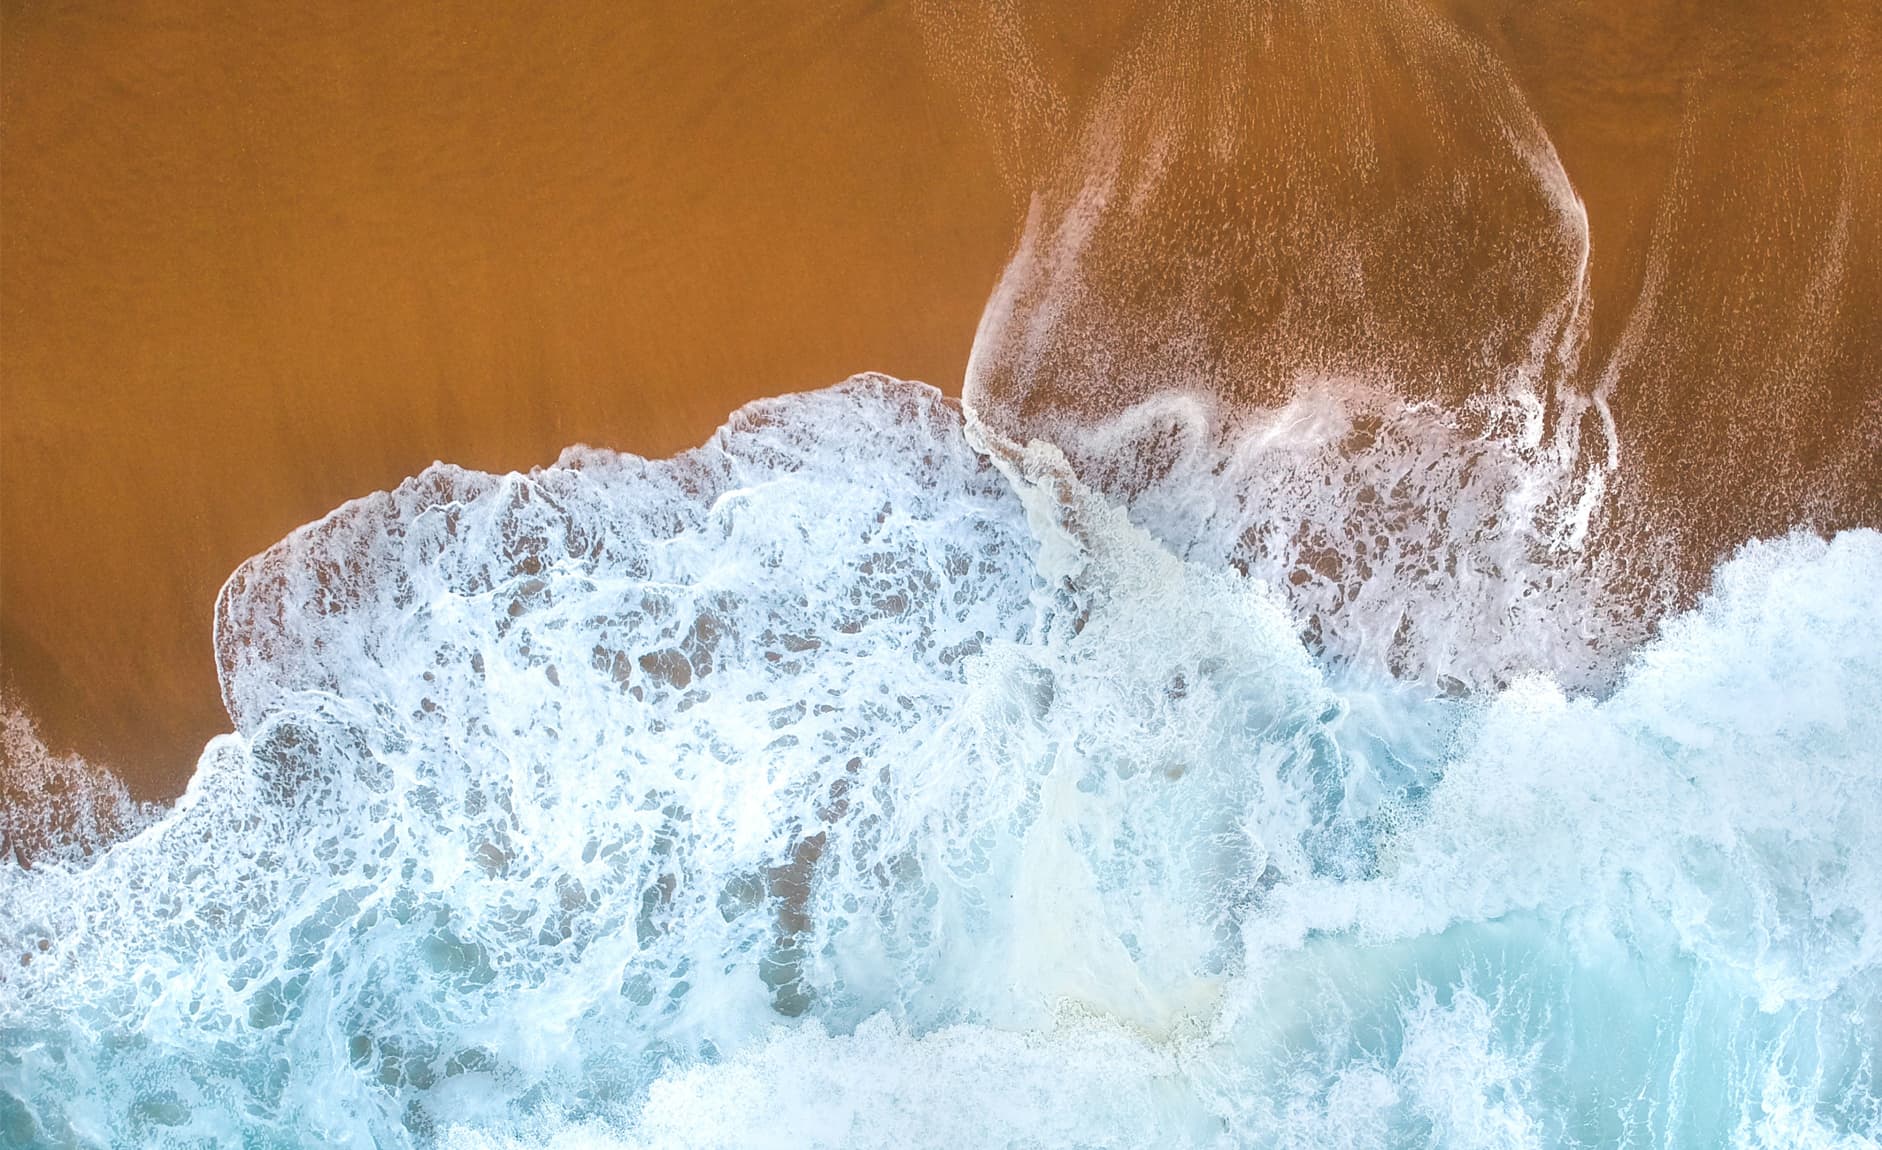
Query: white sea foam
pixel 1410 540
pixel 837 784
pixel 56 808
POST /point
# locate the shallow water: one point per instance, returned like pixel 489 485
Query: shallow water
pixel 832 785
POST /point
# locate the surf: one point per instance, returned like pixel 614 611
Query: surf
pixel 862 778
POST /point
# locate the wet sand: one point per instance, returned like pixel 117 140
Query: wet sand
pixel 254 263
pixel 1665 204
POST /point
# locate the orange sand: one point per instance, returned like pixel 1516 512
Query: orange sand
pixel 256 260
pixel 262 259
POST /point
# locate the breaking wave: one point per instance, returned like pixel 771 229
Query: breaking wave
pixel 863 779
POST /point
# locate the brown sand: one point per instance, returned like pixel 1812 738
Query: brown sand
pixel 255 262
pixel 260 259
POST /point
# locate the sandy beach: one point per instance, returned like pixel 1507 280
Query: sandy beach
pixel 254 262
pixel 259 262
pixel 1367 634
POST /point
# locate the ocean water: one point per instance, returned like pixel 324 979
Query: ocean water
pixel 863 779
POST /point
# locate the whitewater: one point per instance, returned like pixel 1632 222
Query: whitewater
pixel 863 779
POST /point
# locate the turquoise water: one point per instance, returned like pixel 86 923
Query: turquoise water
pixel 830 785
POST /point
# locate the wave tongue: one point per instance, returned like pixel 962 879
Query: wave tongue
pixel 56 808
pixel 656 802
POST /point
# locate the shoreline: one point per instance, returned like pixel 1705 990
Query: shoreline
pixel 254 267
